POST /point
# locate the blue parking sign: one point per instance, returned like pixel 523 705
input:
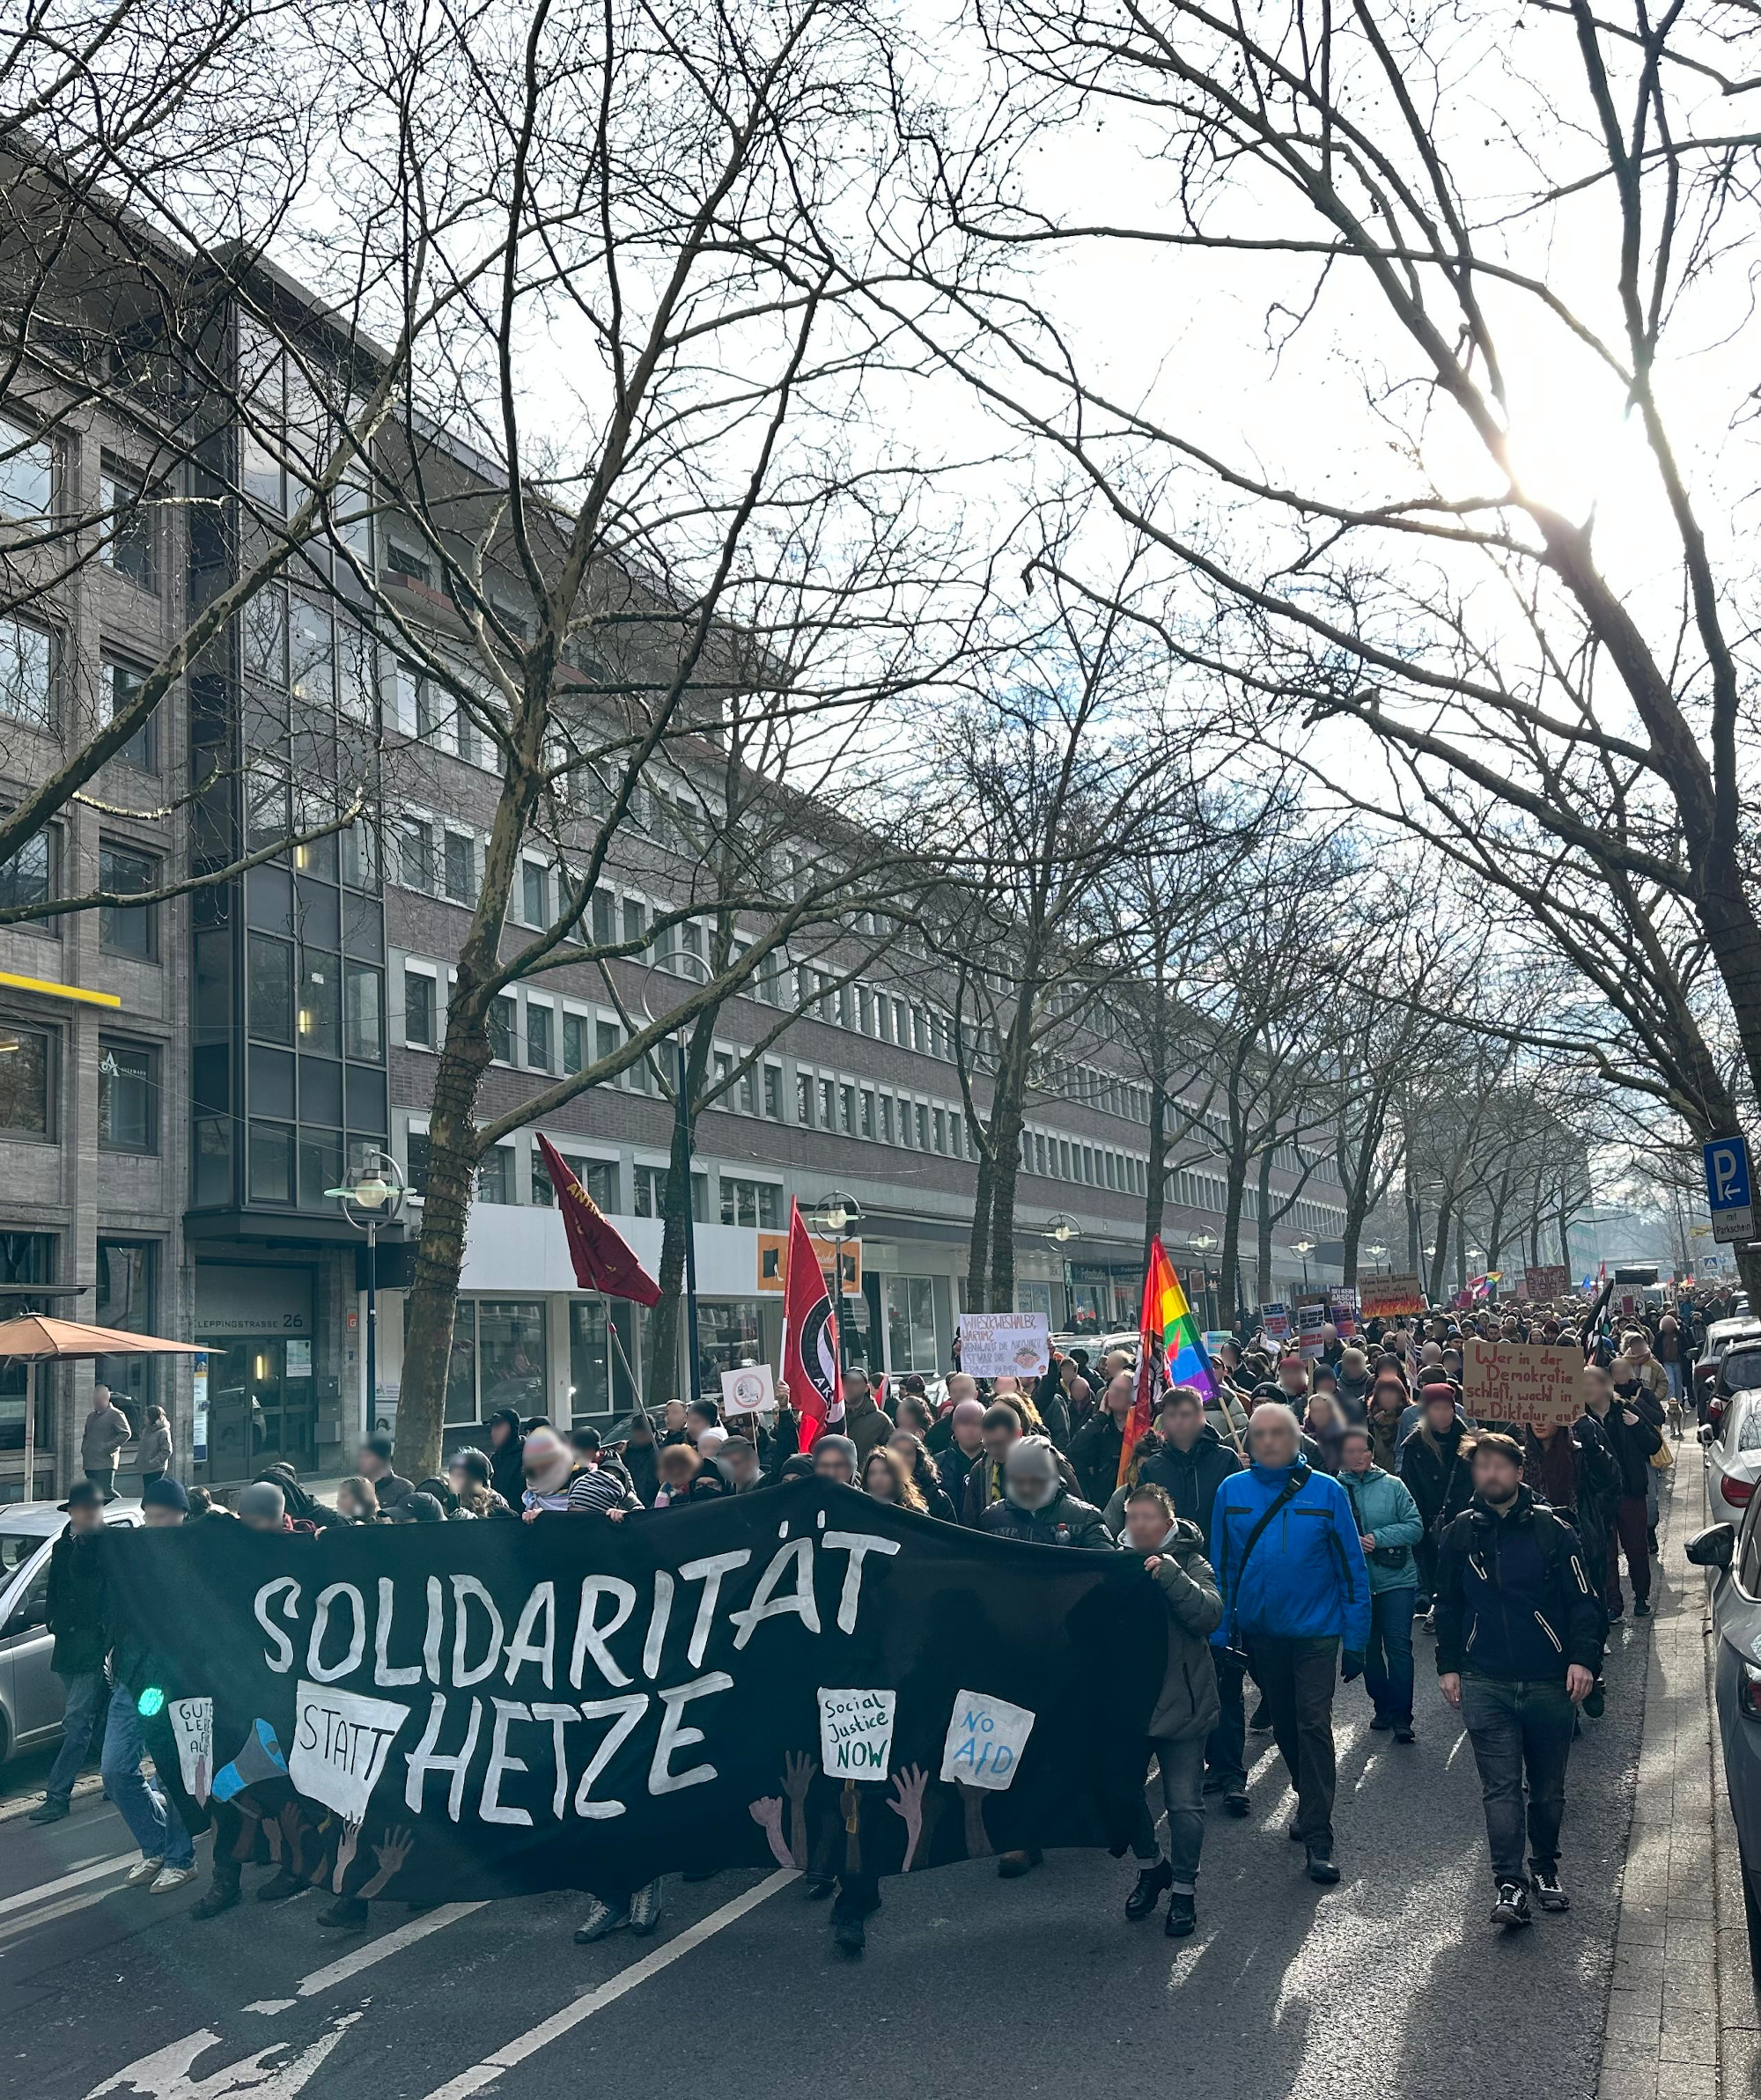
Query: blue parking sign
pixel 1727 1195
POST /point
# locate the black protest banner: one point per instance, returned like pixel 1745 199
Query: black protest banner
pixel 798 1676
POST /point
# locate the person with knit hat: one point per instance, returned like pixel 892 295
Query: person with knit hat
pixel 1436 1464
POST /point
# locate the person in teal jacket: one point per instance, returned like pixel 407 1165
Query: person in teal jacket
pixel 1389 1527
pixel 1295 1596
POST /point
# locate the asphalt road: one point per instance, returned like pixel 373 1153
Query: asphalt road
pixel 1392 1984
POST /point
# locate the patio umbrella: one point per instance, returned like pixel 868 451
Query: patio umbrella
pixel 45 1340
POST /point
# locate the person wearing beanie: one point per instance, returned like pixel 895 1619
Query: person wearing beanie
pixel 834 1459
pixel 373 1462
pixel 1436 1464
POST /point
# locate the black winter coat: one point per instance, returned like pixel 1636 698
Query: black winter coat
pixel 1094 1453
pixel 1439 1480
pixel 1064 1522
pixel 1191 1479
pixel 1632 1443
pixel 1513 1599
pixel 75 1606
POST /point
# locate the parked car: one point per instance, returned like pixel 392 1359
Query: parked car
pixel 30 1692
pixel 1740 1332
pixel 1733 1550
pixel 1733 1449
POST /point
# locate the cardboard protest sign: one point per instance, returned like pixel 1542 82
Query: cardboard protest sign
pixel 463 1710
pixel 1004 1344
pixel 1541 1284
pixel 1525 1382
pixel 856 1734
pixel 1342 1309
pixel 744 1391
pixel 1390 1297
pixel 1275 1319
pixel 985 1739
pixel 1311 1317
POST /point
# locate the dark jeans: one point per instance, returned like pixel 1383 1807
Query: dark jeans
pixel 83 1718
pixel 1388 1660
pixel 858 1897
pixel 1426 1554
pixel 1297 1678
pixel 1518 1729
pixel 1181 1766
pixel 103 1479
pixel 147 1479
pixel 1629 1536
pixel 1226 1752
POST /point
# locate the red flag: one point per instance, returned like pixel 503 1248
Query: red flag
pixel 810 1368
pixel 602 1257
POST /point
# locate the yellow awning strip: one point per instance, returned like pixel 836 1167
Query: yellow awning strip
pixel 52 990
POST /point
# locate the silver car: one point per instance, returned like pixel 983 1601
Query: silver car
pixel 30 1692
pixel 1735 1551
pixel 1733 1450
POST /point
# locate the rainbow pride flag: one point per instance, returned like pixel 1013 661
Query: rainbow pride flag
pixel 1170 1351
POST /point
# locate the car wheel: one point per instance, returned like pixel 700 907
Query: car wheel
pixel 5 1739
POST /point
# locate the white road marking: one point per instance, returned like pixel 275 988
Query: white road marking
pixel 376 1951
pixel 268 2007
pixel 590 2002
pixel 166 2075
pixel 119 1864
pixel 13 1929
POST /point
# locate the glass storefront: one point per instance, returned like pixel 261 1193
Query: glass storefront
pixel 260 1406
pixel 127 1274
pixel 911 1324
pixel 729 1335
pixel 499 1358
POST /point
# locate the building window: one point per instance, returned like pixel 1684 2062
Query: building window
pixel 412 566
pixel 597 1177
pixel 123 929
pixel 122 682
pixel 728 1334
pixel 887 1119
pixel 773 1091
pixel 495 1175
pixel 911 1323
pixel 362 1012
pixel 27 1081
pixel 827 1105
pixel 270 967
pixel 635 921
pixel 604 918
pixel 757 1203
pixel 26 474
pixel 650 1194
pixel 503 1018
pixel 270 1177
pixel 418 1007
pixel 535 893
pixel 130 520
pixel 416 854
pixel 462 868
pixel 868 1124
pixel 538 1035
pixel 28 877
pixel 804 1099
pixel 127 1274
pixel 574 1043
pixel 321 1003
pixel 747 1090
pixel 26 673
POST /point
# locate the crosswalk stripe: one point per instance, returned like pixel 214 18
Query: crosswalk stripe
pixel 376 1951
pixel 41 1893
pixel 609 1992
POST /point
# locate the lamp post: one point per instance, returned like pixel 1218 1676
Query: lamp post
pixel 683 964
pixel 373 1198
pixel 1305 1247
pixel 1202 1244
pixel 832 1219
pixel 1376 1255
pixel 1058 1232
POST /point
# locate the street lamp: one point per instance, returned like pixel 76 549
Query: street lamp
pixel 1059 1231
pixel 833 1218
pixel 1305 1247
pixel 373 1198
pixel 1375 1254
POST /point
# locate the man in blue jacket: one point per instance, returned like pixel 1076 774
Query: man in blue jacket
pixel 1519 1643
pixel 1290 1567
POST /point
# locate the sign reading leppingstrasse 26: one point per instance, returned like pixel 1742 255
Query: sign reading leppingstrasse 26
pixel 472 1710
pixel 1524 1382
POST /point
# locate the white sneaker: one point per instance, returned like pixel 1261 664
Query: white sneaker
pixel 171 1877
pixel 143 1871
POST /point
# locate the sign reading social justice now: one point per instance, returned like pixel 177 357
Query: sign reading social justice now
pixel 1004 1344
pixel 463 1710
pixel 1525 1382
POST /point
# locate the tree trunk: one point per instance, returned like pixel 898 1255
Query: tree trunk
pixel 1232 1235
pixel 978 1241
pixel 1005 1137
pixel 1439 1260
pixel 1263 1223
pixel 440 1251
pixel 1415 1233
pixel 664 1374
pixel 1156 1192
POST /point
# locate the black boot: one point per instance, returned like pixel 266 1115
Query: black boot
pixel 280 1885
pixel 348 1912
pixel 1150 1883
pixel 850 1936
pixel 1321 1867
pixel 222 1889
pixel 1182 1916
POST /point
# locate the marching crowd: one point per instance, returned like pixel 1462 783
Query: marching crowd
pixel 1301 1519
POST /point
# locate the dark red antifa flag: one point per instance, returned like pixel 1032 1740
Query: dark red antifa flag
pixel 603 1258
pixel 798 1677
pixel 810 1365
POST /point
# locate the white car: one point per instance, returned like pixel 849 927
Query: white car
pixel 1733 1458
pixel 31 1694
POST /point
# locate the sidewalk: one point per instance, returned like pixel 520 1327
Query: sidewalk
pixel 1680 2022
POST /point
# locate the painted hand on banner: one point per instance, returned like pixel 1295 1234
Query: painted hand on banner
pixel 250 1819
pixel 767 1814
pixel 272 1833
pixel 977 1838
pixel 391 1855
pixel 345 1855
pixel 293 1828
pixel 907 1801
pixel 800 1770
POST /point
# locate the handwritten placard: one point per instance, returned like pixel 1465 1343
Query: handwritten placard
pixel 1004 1344
pixel 192 1728
pixel 1540 1287
pixel 1275 1320
pixel 986 1736
pixel 340 1740
pixel 1390 1297
pixel 856 1733
pixel 1524 1382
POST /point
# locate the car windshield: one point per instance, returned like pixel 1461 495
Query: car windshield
pixel 1741 1370
pixel 16 1547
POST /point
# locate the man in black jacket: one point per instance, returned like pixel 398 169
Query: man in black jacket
pixel 1519 1642
pixel 75 1616
pixel 1190 1465
pixel 1633 1439
pixel 1094 1449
